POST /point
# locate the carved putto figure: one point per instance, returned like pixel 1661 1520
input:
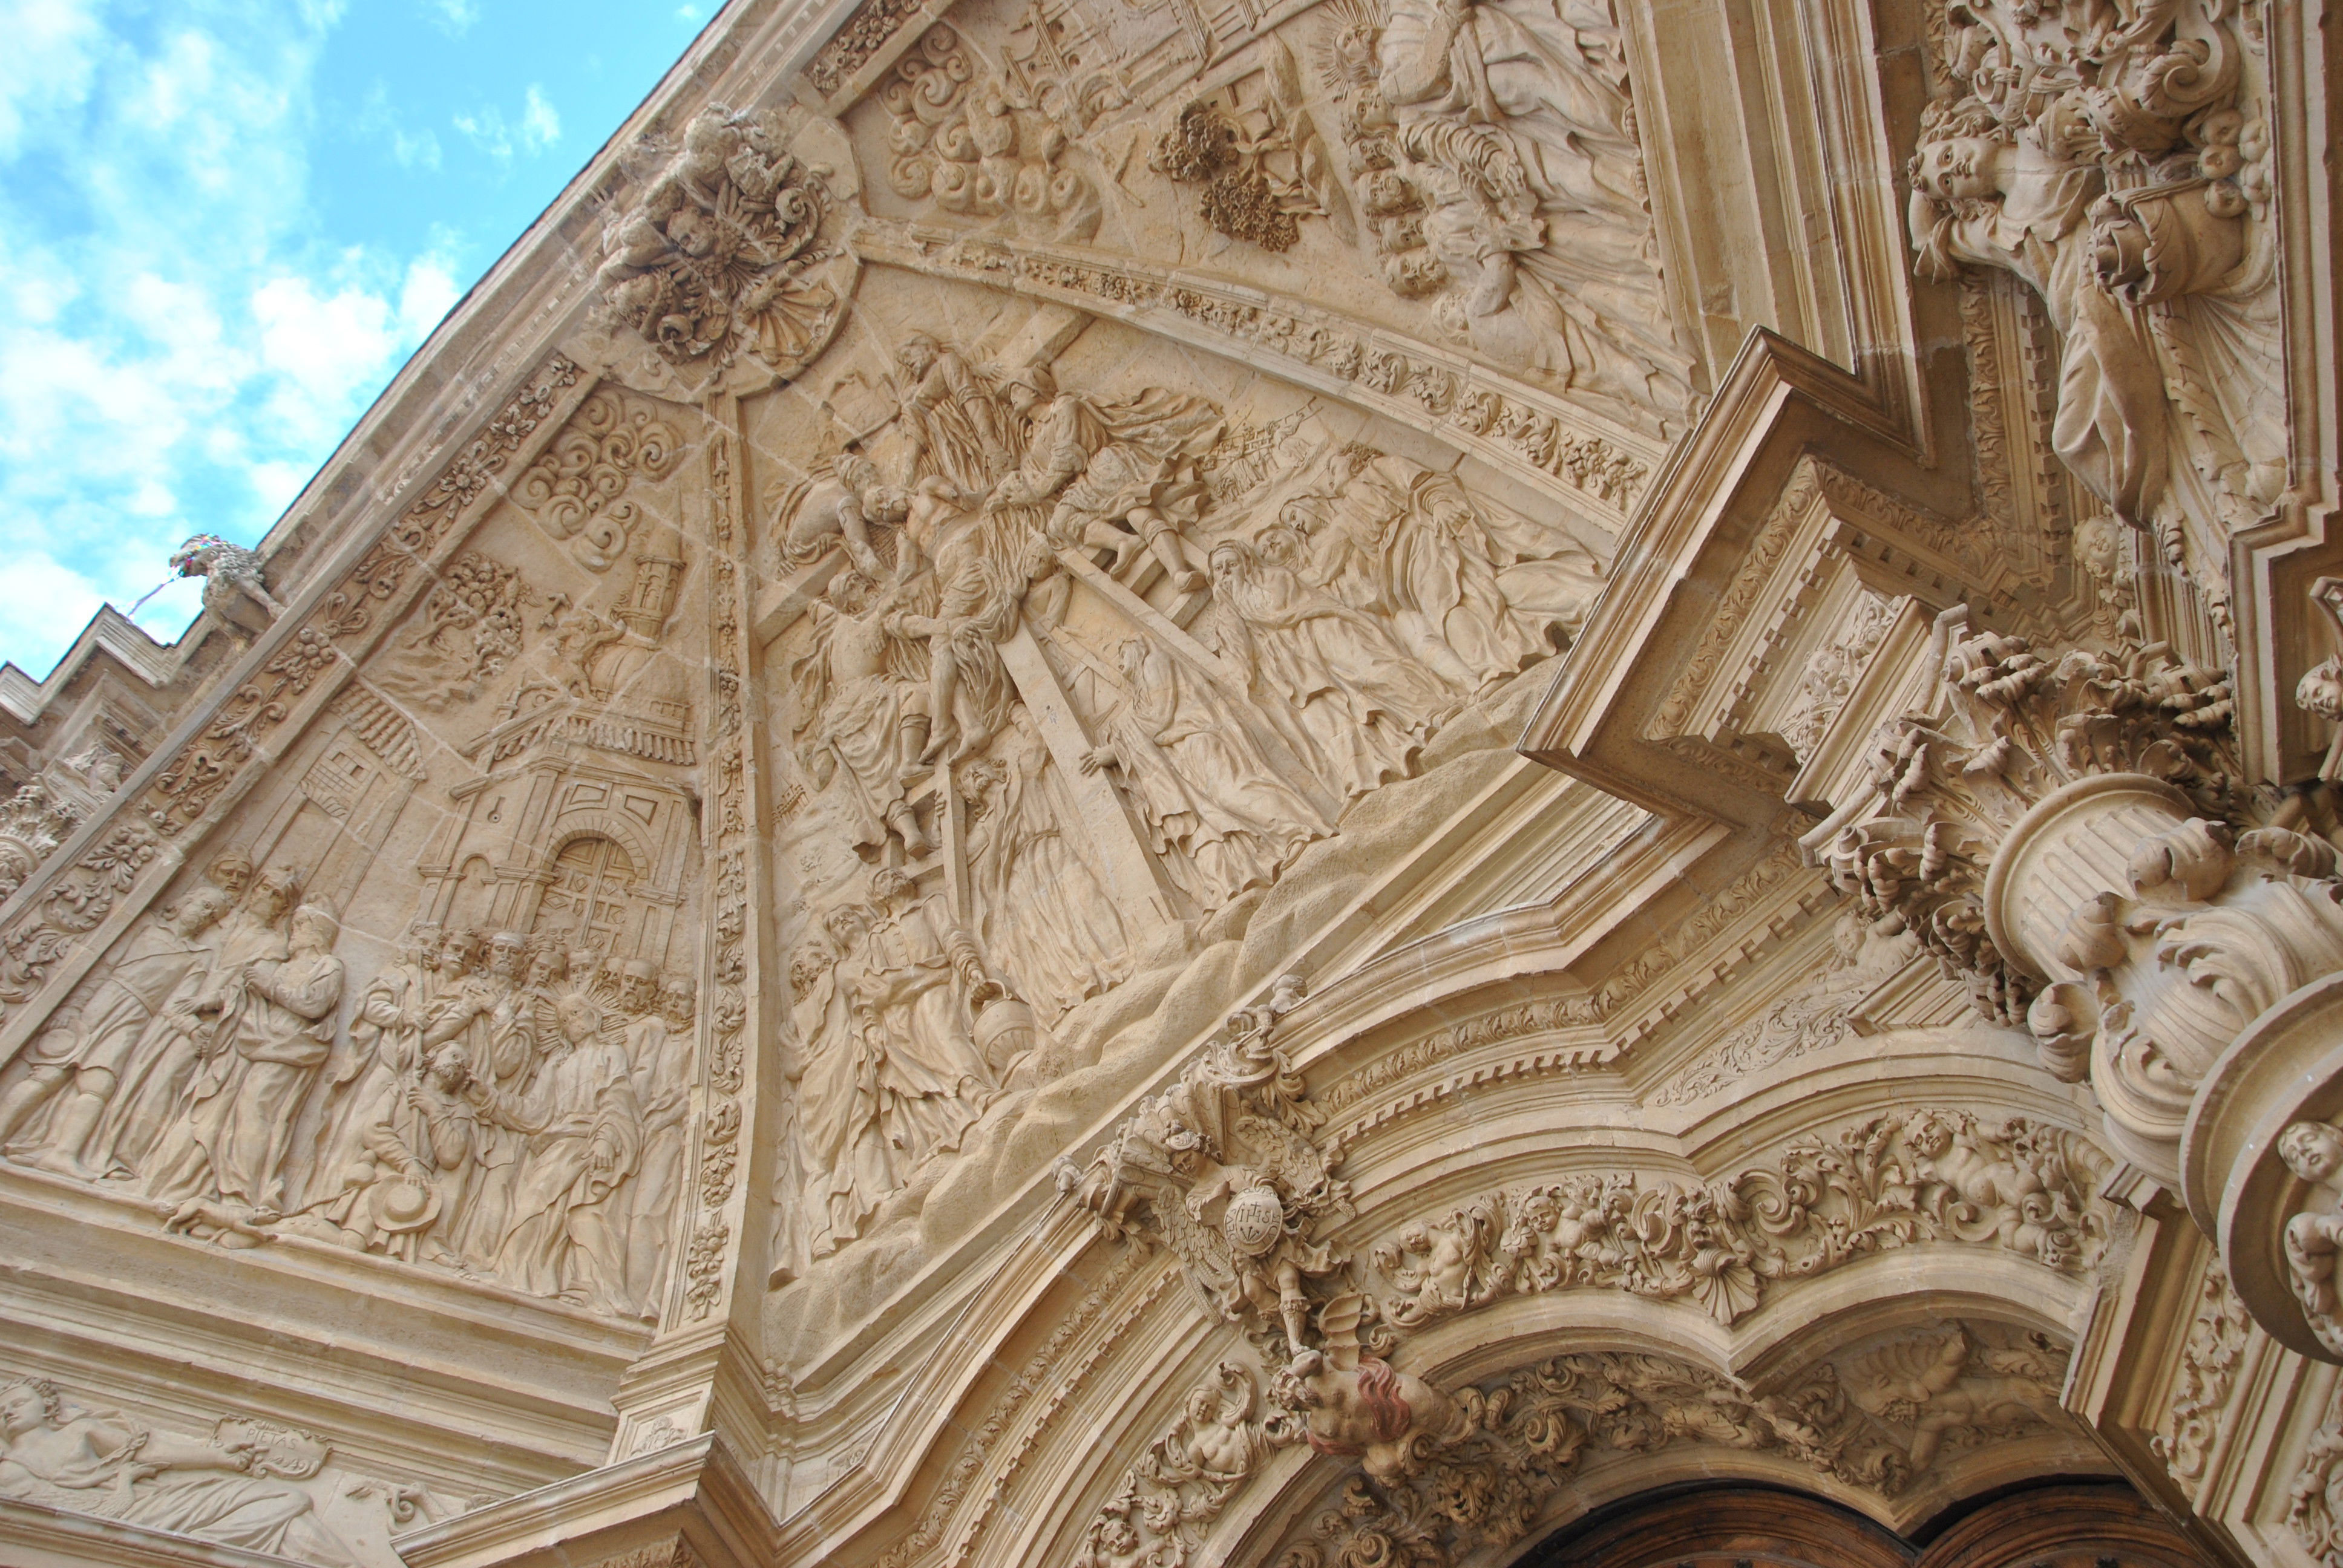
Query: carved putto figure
pixel 1223 1168
pixel 2313 1150
pixel 715 258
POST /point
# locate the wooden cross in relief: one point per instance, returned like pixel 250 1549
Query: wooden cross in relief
pixel 1137 881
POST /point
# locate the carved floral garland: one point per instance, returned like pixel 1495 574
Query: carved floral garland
pixel 1882 1184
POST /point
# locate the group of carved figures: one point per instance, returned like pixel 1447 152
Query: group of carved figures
pixel 1328 635
pixel 1377 601
pixel 494 1104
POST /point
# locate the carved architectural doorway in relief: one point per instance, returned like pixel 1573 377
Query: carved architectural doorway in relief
pixel 590 896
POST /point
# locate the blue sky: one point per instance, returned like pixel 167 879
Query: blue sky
pixel 225 224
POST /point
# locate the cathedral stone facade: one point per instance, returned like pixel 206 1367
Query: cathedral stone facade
pixel 1305 783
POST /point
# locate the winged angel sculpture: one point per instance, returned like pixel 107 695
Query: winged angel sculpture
pixel 1223 1169
pixel 1226 1168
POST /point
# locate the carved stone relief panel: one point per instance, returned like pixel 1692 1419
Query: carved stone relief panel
pixel 1085 647
pixel 2119 163
pixel 431 995
pixel 722 269
pixel 1472 176
pixel 249 1484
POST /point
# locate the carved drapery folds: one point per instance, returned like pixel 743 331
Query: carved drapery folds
pixel 2118 160
pixel 1490 154
pixel 256 1484
pixel 501 1106
pixel 1070 670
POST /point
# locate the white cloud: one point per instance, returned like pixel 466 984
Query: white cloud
pixel 455 18
pixel 178 352
pixel 540 127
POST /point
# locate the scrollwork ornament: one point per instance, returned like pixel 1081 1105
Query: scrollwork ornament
pixel 725 259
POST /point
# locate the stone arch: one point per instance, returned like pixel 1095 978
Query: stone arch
pixel 570 827
pixel 2057 1524
pixel 586 874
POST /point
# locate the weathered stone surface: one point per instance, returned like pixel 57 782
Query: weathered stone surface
pixel 1304 784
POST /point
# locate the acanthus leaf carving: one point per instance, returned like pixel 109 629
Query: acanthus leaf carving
pixel 2067 836
pixel 2314 1500
pixel 1169 1500
pixel 980 146
pixel 2218 1332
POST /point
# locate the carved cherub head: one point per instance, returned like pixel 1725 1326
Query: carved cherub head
pixel 2314 1152
pixel 27 1405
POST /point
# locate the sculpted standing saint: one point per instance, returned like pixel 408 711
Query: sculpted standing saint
pixel 229 1154
pixel 930 1079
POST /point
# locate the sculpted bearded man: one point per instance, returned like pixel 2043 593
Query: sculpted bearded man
pixel 1118 473
pixel 229 1160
